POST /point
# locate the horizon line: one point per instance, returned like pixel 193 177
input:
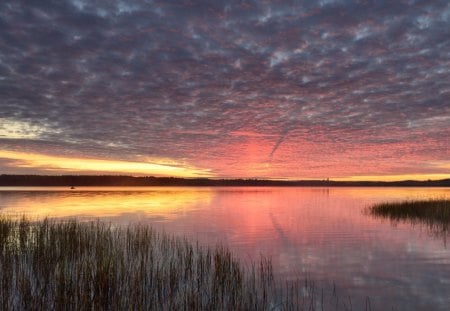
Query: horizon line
pixel 275 179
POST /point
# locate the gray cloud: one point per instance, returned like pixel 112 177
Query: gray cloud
pixel 176 79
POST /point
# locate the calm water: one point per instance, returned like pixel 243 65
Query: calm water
pixel 322 233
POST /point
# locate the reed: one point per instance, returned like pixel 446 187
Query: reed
pixel 70 265
pixel 434 213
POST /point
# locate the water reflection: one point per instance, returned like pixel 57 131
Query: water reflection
pixel 319 232
pixel 114 204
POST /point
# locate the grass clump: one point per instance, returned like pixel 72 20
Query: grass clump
pixel 70 265
pixel 434 213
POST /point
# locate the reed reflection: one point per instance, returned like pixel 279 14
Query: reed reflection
pixel 319 232
pixel 432 214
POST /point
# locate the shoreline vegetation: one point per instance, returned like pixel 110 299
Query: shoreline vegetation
pixel 71 265
pixel 117 180
pixel 433 213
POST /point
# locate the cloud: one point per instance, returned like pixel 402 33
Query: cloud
pixel 121 80
pixel 17 129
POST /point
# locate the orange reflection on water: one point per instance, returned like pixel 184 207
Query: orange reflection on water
pixel 105 202
pixel 319 232
pixel 394 193
pixel 394 177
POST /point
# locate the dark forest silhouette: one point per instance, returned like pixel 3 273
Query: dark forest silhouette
pixel 115 180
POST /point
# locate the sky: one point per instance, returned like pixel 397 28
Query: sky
pixel 346 90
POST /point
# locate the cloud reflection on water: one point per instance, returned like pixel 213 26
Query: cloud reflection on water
pixel 319 232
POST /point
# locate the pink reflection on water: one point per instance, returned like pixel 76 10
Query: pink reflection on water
pixel 322 233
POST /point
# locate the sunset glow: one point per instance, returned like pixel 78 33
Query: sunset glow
pixel 226 89
pixel 53 164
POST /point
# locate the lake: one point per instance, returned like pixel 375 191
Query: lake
pixel 324 234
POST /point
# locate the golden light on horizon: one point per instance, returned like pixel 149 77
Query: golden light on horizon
pixel 51 164
pixel 59 163
pixel 418 177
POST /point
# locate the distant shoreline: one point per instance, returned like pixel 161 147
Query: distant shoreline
pixel 130 181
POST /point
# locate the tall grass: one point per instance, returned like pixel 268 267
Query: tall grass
pixel 434 213
pixel 47 265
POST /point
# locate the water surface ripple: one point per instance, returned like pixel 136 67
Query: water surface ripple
pixel 322 233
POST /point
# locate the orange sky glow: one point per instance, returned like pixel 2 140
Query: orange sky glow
pixel 267 90
pixel 251 161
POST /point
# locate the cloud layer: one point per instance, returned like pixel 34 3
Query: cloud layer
pixel 242 88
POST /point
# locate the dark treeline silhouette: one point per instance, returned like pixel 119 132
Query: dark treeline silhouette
pixel 114 180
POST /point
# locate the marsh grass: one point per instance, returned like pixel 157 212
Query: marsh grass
pixel 433 213
pixel 70 265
